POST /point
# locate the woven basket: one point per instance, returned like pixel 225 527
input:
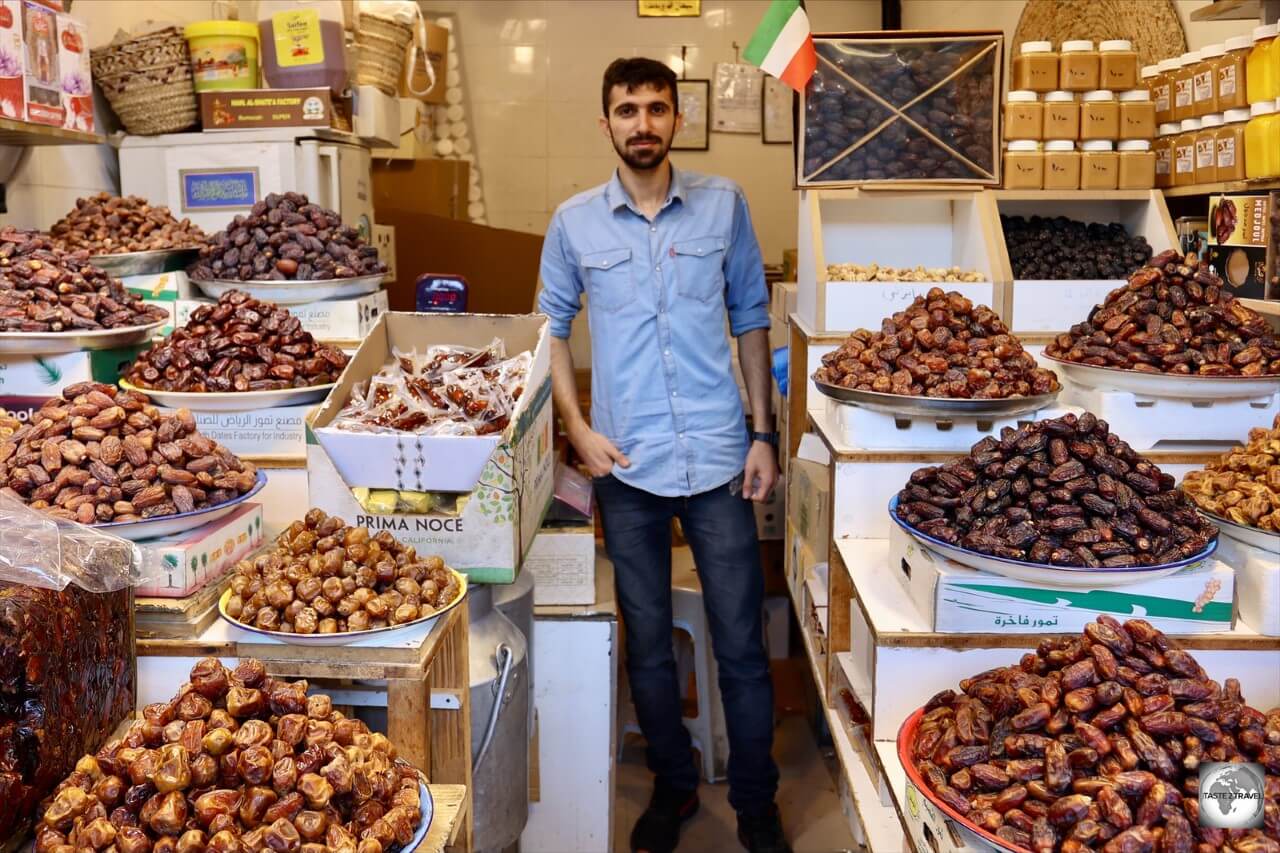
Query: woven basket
pixel 381 44
pixel 1152 25
pixel 148 82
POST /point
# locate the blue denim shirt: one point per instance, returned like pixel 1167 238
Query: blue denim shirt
pixel 662 383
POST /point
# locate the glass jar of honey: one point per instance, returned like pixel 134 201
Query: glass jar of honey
pixel 1035 67
pixel 1023 165
pixel 1099 165
pixel 1061 165
pixel 1117 65
pixel 1099 115
pixel 1078 66
pixel 1207 149
pixel 1184 105
pixel 1261 68
pixel 1232 76
pixel 1184 153
pixel 1229 153
pixel 1163 150
pixel 1204 92
pixel 1162 89
pixel 1023 115
pixel 1136 169
pixel 1137 115
pixel 1061 115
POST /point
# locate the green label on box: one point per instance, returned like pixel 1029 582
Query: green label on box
pixel 1106 601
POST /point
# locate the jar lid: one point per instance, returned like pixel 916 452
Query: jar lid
pixel 1167 64
pixel 1211 120
pixel 1135 95
pixel 1149 71
pixel 234 29
pixel 1135 145
pixel 1022 96
pixel 1262 108
pixel 1239 43
pixel 1169 128
pixel 1098 145
pixel 1060 145
pixel 1212 51
pixel 1098 95
pixel 1190 124
pixel 1035 47
pixel 1078 45
pixel 1059 97
pixel 1112 45
pixel 1189 58
pixel 1235 115
pixel 1022 145
pixel 1266 31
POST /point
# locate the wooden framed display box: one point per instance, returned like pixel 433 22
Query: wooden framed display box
pixel 914 108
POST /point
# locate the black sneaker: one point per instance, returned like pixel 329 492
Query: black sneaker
pixel 658 829
pixel 761 832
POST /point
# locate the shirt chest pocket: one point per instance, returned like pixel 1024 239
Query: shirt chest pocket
pixel 608 276
pixel 700 268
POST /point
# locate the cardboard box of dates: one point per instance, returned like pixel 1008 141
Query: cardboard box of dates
pixel 905 107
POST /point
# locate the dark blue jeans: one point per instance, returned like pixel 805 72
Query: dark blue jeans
pixel 721 530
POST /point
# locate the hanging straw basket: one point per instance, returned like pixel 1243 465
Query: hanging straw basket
pixel 148 82
pixel 381 44
pixel 1152 25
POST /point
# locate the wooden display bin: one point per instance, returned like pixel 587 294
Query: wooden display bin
pixel 1037 310
pixel 939 228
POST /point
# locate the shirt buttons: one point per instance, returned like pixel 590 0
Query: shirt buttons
pixel 666 352
pixel 682 435
pixel 659 267
pixel 604 263
pixel 674 393
pixel 653 228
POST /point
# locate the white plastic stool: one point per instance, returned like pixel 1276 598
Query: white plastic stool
pixel 708 730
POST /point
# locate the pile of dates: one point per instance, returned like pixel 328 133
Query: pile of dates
pixel 107 225
pixel 1063 492
pixel 286 238
pixel 43 289
pixel 1094 742
pixel 1174 316
pixel 1244 484
pixel 324 577
pixel 1052 248
pixel 237 344
pixel 237 762
pixel 940 346
pixel 100 454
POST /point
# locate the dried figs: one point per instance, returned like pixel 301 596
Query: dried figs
pixel 104 224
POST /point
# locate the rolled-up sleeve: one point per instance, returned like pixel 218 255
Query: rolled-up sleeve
pixel 746 296
pixel 561 296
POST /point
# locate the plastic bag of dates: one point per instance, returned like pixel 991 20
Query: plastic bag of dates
pixel 1095 742
pixel 901 107
pixel 1064 492
pixel 941 345
pixel 1174 316
pixel 237 344
pixel 104 224
pixel 286 238
pixel 237 761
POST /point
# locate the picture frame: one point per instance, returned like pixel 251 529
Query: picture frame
pixel 695 103
pixel 669 8
pixel 776 127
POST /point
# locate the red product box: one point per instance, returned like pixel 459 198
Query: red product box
pixel 43 90
pixel 12 102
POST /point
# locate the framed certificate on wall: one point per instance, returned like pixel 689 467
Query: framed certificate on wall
pixel 694 96
pixel 775 112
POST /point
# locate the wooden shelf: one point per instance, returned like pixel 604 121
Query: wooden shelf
pixel 1223 187
pixel 1072 195
pixel 23 133
pixel 1229 10
pixel 450 802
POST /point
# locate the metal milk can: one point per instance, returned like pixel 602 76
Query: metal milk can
pixel 515 601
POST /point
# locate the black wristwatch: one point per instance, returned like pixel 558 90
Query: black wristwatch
pixel 766 437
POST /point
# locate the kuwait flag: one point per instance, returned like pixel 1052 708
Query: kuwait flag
pixel 782 45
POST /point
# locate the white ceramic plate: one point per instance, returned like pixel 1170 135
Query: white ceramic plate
pixel 59 343
pixel 428 815
pixel 1071 576
pixel 1254 536
pixel 232 401
pixel 296 292
pixel 1167 385
pixel 166 525
pixel 391 632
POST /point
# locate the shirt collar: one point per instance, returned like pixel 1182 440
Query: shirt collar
pixel 616 194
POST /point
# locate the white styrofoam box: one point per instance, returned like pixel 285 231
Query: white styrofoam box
pixel 276 432
pixel 1257 584
pixel 865 304
pixel 956 599
pixel 376 116
pixel 1148 422
pixel 44 376
pixel 563 562
pixel 863 428
pixel 1055 306
pixel 339 320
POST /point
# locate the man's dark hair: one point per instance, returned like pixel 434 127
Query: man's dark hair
pixel 636 72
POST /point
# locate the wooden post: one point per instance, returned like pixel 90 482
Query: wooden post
pixel 451 730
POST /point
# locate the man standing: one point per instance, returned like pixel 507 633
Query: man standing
pixel 664 256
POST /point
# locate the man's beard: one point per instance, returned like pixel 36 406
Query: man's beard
pixel 643 160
